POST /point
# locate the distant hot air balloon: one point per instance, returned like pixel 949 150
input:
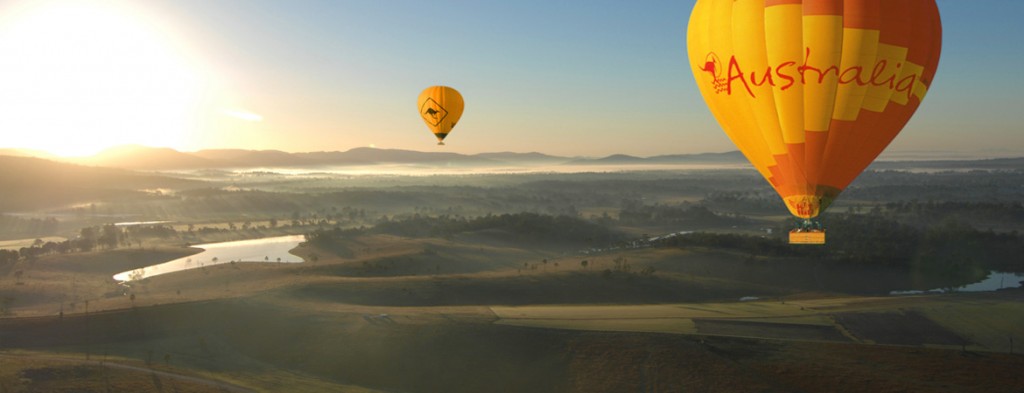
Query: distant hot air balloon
pixel 811 91
pixel 440 107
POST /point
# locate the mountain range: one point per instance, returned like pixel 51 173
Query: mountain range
pixel 153 158
pixel 136 157
pixel 32 179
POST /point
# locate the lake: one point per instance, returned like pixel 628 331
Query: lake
pixel 995 281
pixel 271 249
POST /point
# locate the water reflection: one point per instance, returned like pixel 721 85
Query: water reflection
pixel 138 223
pixel 271 249
pixel 995 281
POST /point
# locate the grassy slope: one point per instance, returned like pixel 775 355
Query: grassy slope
pixel 267 342
pixel 379 317
pixel 32 183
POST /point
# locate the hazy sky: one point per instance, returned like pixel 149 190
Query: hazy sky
pixel 560 77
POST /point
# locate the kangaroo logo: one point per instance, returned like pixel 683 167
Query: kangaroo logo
pixel 432 112
pixel 713 66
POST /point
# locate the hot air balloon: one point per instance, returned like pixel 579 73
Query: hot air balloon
pixel 440 107
pixel 812 91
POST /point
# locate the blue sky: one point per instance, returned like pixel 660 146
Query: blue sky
pixel 561 77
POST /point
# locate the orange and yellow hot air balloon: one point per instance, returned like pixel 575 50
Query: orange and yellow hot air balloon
pixel 812 91
pixel 440 107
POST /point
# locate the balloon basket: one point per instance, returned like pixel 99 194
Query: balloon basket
pixel 805 236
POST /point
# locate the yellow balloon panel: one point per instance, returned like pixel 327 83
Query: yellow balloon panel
pixel 813 90
pixel 739 128
pixel 440 107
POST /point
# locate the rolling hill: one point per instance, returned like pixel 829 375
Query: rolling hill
pixel 30 183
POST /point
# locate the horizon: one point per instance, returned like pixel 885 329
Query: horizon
pixel 890 156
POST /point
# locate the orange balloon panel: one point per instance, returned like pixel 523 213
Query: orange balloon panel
pixel 812 91
pixel 440 107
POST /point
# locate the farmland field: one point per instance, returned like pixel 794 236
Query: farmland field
pixel 526 282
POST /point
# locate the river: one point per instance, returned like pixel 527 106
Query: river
pixel 271 249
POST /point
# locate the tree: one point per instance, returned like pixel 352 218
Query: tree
pixel 87 239
pixel 8 256
pixel 109 237
pixel 584 263
pixel 28 253
pixel 647 271
pixel 621 265
pixel 50 247
pixel 5 304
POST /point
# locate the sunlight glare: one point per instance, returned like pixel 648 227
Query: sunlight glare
pixel 244 115
pixel 82 76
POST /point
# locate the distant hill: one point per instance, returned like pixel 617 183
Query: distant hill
pixel 994 163
pixel 26 153
pixel 532 157
pixel 727 157
pixel 149 158
pixel 371 156
pixel 146 158
pixel 732 157
pixel 613 159
pixel 252 158
pixel 736 157
pixel 31 183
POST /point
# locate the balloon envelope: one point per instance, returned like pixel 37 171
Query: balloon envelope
pixel 440 107
pixel 812 91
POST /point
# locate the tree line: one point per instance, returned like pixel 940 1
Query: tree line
pixel 635 213
pixel 12 226
pixel 107 237
pixel 518 226
pixel 874 239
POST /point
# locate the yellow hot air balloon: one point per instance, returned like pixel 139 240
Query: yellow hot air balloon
pixel 440 107
pixel 812 91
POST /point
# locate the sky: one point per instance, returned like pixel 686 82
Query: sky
pixel 570 78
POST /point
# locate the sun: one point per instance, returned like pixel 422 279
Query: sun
pixel 80 76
